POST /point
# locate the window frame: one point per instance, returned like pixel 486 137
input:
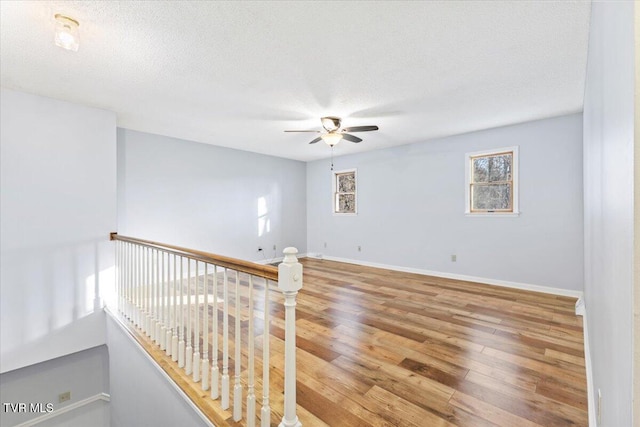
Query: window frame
pixel 515 211
pixel 335 193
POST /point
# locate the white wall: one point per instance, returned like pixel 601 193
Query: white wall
pixel 58 205
pixel 608 202
pixel 411 204
pixel 208 198
pixel 84 374
pixel 140 394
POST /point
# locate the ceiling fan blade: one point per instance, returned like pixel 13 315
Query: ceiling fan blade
pixel 360 128
pixel 314 131
pixel 351 138
pixel 316 140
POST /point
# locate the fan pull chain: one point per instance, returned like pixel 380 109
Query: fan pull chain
pixel 332 157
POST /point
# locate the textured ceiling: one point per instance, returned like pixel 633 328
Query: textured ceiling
pixel 237 74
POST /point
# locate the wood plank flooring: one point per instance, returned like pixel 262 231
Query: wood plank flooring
pixel 384 348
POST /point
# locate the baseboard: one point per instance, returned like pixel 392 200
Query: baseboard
pixel 118 321
pixel 484 280
pixel 63 410
pixel 580 308
pixel 591 399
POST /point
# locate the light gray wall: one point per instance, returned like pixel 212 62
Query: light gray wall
pixel 94 414
pixel 58 205
pixel 207 197
pixel 84 374
pixel 411 204
pixel 608 200
pixel 140 395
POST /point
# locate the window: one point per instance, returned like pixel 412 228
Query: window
pixel 344 192
pixel 492 182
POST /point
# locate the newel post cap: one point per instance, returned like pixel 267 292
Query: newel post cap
pixel 290 272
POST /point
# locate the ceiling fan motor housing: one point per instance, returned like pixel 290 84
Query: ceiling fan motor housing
pixel 331 123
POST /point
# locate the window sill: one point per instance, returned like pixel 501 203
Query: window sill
pixel 345 214
pixel 493 214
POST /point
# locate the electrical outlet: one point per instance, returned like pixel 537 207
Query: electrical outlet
pixel 325 245
pixel 359 248
pixel 274 247
pixel 454 258
pixel 259 248
pixel 63 397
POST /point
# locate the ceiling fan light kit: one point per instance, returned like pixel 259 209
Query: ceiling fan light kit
pixel 334 133
pixel 331 138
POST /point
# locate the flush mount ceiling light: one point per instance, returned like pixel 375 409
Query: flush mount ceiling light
pixel 67 35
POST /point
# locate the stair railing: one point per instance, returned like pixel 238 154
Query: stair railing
pixel 168 291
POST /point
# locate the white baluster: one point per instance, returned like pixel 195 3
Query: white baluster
pixel 167 307
pixel 121 265
pixel 224 403
pixel 158 337
pixel 265 412
pixel 118 274
pixel 205 332
pixel 132 285
pixel 174 324
pixel 118 301
pixel 127 260
pixel 290 282
pixel 188 368
pixel 181 343
pixel 214 338
pixel 143 288
pixel 196 331
pixel 251 397
pixel 149 290
pixel 123 286
pixel 154 297
pixel 125 276
pixel 163 296
pixel 131 282
pixel 237 388
pixel 136 282
pixel 116 284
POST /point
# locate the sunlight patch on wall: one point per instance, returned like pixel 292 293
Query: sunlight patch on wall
pixel 102 291
pixel 264 223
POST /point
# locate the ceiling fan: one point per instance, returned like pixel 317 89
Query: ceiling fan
pixel 334 132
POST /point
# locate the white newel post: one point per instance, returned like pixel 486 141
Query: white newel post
pixel 290 282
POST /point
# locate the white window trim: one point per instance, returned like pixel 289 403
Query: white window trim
pixel 514 175
pixel 333 192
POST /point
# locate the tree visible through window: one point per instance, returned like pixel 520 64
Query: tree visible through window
pixel 345 192
pixel 491 182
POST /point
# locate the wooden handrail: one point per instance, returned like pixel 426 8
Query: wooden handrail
pixel 267 271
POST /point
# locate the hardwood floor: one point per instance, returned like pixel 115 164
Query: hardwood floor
pixel 384 348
